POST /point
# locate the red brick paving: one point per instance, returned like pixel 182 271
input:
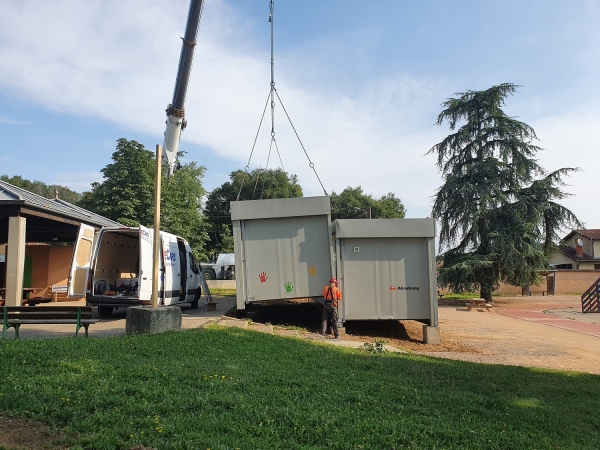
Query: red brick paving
pixel 537 315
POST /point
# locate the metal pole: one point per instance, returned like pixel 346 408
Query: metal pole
pixel 369 212
pixel 272 19
pixel 156 235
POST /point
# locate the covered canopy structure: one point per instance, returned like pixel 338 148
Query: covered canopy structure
pixel 26 217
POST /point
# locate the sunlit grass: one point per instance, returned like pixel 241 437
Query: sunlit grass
pixel 223 292
pixel 223 388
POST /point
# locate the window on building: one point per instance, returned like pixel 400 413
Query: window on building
pixel 597 266
pixel 564 266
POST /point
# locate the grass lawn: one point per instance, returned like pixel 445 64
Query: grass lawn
pixel 223 291
pixel 223 388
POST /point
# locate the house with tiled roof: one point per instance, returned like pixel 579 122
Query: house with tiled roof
pixel 580 251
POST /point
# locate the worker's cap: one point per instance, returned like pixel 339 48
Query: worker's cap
pixel 333 280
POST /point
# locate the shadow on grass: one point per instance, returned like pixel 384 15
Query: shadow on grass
pixel 227 388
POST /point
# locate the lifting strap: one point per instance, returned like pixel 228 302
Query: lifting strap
pixel 272 94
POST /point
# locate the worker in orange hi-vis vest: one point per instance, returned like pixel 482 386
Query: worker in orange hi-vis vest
pixel 331 295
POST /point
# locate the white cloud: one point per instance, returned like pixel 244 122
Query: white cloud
pixel 78 182
pixel 572 141
pixel 6 121
pixel 117 61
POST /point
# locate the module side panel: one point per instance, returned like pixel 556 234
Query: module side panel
pixel 286 257
pixel 386 278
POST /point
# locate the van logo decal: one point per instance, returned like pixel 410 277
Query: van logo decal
pixel 145 234
pixel 169 256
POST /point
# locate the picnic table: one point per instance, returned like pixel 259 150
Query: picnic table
pixel 475 302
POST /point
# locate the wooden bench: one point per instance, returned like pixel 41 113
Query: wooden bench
pixel 479 302
pixel 15 316
pixel 543 293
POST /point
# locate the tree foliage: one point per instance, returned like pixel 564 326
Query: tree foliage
pixel 258 184
pixel 126 194
pixel 352 203
pixel 497 207
pixel 43 189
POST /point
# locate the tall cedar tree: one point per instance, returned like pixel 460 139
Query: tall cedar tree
pixel 258 184
pixel 497 207
pixel 126 194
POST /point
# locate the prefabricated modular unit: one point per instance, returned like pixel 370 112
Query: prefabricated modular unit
pixel 283 248
pixel 386 269
pixel 113 269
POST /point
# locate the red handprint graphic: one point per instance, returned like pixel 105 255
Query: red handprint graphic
pixel 263 277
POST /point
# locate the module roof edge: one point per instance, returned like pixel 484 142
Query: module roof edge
pixel 384 228
pixel 280 207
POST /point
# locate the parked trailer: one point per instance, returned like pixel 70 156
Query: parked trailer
pixel 114 269
pixel 283 248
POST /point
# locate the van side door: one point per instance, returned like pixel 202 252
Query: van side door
pixel 146 256
pixel 170 256
pixel 80 264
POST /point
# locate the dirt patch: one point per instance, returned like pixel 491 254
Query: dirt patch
pixel 403 334
pixel 27 434
pixel 478 335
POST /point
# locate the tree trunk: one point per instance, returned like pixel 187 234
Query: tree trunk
pixel 486 295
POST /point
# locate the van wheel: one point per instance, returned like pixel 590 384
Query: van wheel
pixel 194 303
pixel 209 274
pixel 105 311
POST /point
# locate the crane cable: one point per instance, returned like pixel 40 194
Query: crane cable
pixel 272 93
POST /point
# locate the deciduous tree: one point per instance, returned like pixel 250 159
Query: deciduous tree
pixel 43 189
pixel 126 194
pixel 353 203
pixel 258 184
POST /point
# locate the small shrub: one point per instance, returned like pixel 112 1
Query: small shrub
pixel 377 347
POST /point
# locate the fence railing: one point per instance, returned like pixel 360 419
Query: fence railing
pixel 590 300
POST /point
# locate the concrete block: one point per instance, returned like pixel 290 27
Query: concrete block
pixel 431 335
pixel 141 320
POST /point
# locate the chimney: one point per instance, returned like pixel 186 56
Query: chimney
pixel 578 248
pixel 55 193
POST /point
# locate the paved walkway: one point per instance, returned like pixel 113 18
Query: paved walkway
pixel 569 318
pixel 191 318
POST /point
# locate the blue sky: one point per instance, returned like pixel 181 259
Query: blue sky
pixel 362 81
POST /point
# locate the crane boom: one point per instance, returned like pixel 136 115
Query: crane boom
pixel 176 122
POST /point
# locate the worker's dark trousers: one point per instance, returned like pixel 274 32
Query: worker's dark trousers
pixel 329 314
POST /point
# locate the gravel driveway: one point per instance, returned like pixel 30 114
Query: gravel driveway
pixel 499 339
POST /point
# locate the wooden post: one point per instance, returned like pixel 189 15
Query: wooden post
pixel 156 241
pixel 15 260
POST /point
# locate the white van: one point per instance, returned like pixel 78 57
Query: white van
pixel 114 269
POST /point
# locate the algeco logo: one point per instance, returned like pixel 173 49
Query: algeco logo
pixel 145 234
pixel 404 288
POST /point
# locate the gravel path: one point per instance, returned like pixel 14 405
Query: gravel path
pixel 499 339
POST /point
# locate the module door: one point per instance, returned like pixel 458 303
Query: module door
pixel 385 278
pixel 80 264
